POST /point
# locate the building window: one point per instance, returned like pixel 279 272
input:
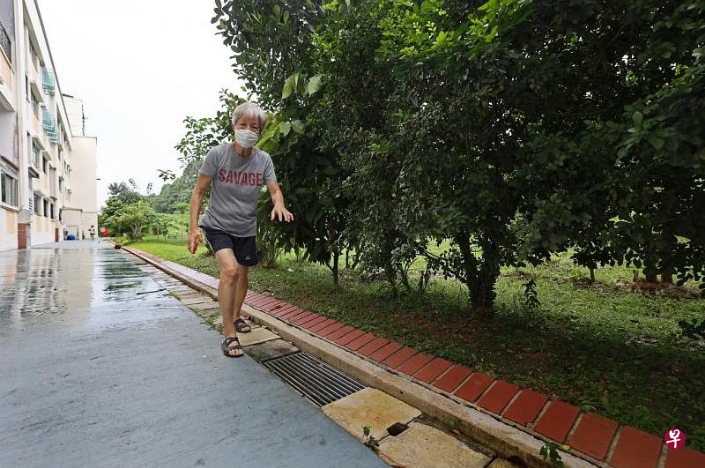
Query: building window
pixel 8 190
pixel 51 210
pixel 46 208
pixel 35 103
pixel 36 155
pixel 37 205
pixel 33 54
pixel 45 165
pixel 6 41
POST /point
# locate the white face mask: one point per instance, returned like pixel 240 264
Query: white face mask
pixel 246 138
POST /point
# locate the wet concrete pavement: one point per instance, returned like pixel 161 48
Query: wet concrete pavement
pixel 99 366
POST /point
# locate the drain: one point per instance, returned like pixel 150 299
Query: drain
pixel 312 378
pixel 397 428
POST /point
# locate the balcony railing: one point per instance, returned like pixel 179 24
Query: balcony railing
pixel 49 125
pixel 48 81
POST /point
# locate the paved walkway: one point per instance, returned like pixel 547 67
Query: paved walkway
pixel 101 367
pixel 590 436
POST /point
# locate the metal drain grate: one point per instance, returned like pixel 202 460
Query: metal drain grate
pixel 314 379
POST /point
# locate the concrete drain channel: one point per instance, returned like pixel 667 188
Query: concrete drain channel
pixel 315 380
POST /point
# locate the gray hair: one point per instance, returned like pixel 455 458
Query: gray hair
pixel 249 109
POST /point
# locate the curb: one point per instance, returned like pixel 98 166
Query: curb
pixel 507 438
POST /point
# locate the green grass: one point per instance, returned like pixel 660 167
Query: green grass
pixel 602 346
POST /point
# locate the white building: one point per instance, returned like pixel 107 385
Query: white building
pixel 47 164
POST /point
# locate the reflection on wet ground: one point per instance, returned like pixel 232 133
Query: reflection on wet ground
pixel 100 366
pixel 76 277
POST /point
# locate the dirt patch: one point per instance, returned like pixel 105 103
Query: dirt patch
pixel 518 274
pixel 585 283
pixel 668 290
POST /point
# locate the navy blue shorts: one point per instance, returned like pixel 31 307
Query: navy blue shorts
pixel 245 248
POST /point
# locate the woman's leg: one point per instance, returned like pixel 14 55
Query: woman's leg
pixel 240 293
pixel 230 276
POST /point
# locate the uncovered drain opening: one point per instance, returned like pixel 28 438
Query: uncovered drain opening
pixel 314 379
pixel 397 428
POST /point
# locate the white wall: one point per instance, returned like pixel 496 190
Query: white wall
pixel 84 186
pixel 43 230
pixel 74 111
pixel 8 229
pixel 8 130
pixel 73 222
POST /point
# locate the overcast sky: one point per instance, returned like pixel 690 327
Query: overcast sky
pixel 140 67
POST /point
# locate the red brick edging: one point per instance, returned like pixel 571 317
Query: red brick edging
pixel 586 434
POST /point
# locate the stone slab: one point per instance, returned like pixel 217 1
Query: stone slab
pixel 502 463
pixel 270 350
pixel 205 306
pixel 423 446
pixel 256 336
pixel 184 293
pixel 370 407
pixel 196 300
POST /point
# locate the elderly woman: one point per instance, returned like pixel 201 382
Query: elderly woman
pixel 235 172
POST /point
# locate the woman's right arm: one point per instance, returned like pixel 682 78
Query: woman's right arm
pixel 199 191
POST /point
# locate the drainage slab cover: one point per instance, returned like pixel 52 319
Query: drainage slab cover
pixel 314 379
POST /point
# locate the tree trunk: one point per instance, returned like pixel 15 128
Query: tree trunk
pixel 356 260
pixel 391 276
pixel 592 275
pixel 424 279
pixel 336 267
pixel 651 276
pixel 404 278
pixel 667 276
pixel 483 293
pixel 480 275
pixel 650 272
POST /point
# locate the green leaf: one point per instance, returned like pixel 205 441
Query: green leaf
pixel 441 37
pixel 314 84
pixel 285 128
pixel 637 118
pixel 656 142
pixel 288 87
pixel 298 127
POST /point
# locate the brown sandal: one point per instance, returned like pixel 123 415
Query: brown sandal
pixel 241 326
pixel 227 347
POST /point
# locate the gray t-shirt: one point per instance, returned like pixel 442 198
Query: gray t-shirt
pixel 235 186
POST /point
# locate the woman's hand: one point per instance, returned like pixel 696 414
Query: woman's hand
pixel 280 213
pixel 194 238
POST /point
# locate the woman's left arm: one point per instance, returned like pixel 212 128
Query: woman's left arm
pixel 279 212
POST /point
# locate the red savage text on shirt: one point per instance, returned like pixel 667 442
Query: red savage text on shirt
pixel 240 178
